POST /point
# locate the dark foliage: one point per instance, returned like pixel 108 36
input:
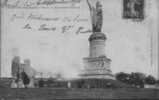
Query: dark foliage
pixel 41 83
pixel 150 80
pixel 25 78
pixel 137 80
pixel 133 79
pixel 124 77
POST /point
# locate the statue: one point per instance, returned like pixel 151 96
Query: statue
pixel 96 16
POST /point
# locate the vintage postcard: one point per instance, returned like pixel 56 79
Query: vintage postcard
pixel 71 49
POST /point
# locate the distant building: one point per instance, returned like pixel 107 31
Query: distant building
pixel 28 69
pixel 15 66
pixel 18 68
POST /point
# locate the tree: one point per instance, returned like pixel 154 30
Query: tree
pixel 25 79
pixel 137 79
pixel 150 80
pixel 157 81
pixel 15 66
pixel 133 79
pixel 123 77
pixel 41 83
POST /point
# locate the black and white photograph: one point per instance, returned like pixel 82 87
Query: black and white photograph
pixel 79 50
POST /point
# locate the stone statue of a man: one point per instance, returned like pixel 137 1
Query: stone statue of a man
pixel 96 14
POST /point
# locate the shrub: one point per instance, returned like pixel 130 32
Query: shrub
pixel 150 80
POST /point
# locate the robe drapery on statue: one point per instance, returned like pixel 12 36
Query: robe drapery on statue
pixel 96 14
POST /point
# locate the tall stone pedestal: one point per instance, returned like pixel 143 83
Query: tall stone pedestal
pixel 97 65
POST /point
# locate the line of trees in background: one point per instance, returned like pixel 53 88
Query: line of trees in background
pixel 136 79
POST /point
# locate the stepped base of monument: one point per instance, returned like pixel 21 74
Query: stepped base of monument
pixel 97 67
pixel 98 76
pixel 98 83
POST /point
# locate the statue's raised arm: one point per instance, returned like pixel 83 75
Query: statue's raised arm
pixel 89 5
pixel 92 13
pixel 96 15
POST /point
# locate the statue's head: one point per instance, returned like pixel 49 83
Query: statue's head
pixel 98 5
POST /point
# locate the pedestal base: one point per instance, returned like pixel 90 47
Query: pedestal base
pixel 97 67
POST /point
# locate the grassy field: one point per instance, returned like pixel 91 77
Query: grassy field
pixel 77 94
